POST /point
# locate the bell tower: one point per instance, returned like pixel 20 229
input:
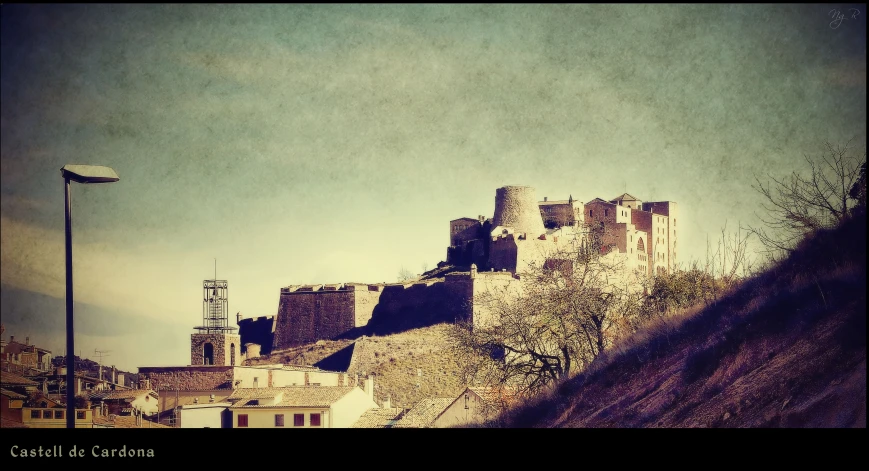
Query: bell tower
pixel 216 343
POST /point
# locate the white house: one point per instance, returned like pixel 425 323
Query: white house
pixel 301 406
pixel 210 415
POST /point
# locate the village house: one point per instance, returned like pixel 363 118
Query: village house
pixel 425 413
pixel 301 406
pixel 125 402
pixel 474 405
pixel 208 415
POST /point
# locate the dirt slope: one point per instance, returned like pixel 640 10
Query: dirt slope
pixel 787 349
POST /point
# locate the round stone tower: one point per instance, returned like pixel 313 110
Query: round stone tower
pixel 517 207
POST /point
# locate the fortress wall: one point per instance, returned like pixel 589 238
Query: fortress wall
pixel 307 316
pixel 187 378
pixel 503 253
pixel 258 330
pixel 417 305
pixel 366 299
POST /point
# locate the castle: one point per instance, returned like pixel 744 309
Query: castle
pixel 523 231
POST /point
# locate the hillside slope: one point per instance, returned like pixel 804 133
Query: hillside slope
pixel 786 349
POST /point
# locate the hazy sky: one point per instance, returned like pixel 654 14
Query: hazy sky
pixel 333 143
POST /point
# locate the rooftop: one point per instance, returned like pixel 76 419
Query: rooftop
pixel 291 396
pixel 7 378
pixel 122 394
pixel 379 418
pixel 425 412
pixel 11 394
pixel 125 421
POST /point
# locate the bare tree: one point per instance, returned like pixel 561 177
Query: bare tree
pixel 405 275
pixel 566 311
pixel 797 204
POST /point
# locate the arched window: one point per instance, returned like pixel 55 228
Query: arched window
pixel 640 246
pixel 208 353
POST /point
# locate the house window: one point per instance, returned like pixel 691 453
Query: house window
pixel 58 414
pixel 606 212
pixel 279 420
pixel 674 222
pixel 35 414
pixel 298 420
pixel 80 415
pixel 315 420
pixel 46 414
pixel 242 420
pixel 590 213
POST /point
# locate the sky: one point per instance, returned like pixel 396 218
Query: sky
pixel 334 143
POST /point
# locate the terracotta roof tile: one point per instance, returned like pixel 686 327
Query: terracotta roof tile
pixel 6 423
pixel 11 394
pixel 12 379
pixel 425 412
pixel 291 396
pixel 379 418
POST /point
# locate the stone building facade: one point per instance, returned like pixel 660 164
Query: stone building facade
pixel 215 349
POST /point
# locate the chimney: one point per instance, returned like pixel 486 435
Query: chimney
pixel 114 375
pixel 26 340
pixel 545 199
pixel 369 386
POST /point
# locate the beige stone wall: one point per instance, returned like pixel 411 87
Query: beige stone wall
pixel 193 378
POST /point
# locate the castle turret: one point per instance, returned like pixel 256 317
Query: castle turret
pixel 517 207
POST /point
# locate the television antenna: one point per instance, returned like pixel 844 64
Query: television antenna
pixel 101 354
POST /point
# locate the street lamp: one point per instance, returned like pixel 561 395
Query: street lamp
pixel 81 174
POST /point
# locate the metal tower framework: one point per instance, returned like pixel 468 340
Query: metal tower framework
pixel 215 308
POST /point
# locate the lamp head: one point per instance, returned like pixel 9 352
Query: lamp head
pixel 89 174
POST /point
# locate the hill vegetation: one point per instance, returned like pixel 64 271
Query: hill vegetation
pixel 784 348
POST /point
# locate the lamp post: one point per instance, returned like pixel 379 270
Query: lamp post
pixel 81 174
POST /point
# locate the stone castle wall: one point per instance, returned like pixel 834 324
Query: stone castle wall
pixel 187 378
pixel 257 330
pixel 307 316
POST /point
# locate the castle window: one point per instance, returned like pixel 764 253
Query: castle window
pixel 606 212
